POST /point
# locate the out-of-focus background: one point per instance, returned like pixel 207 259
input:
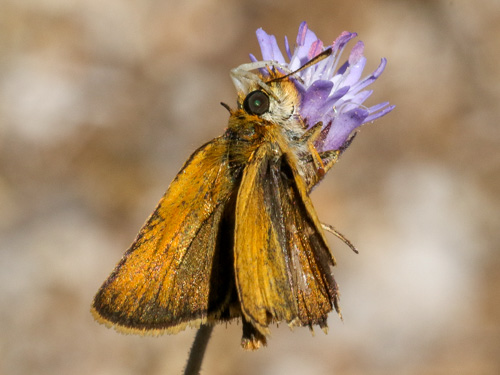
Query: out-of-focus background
pixel 102 102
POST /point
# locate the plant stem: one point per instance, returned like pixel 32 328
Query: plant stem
pixel 198 350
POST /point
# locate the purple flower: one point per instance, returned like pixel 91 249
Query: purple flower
pixel 329 92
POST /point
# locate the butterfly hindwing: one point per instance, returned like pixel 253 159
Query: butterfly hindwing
pixel 282 260
pixel 261 267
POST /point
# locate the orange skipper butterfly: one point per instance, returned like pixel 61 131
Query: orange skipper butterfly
pixel 236 234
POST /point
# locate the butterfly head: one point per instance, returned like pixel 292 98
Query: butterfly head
pixel 270 96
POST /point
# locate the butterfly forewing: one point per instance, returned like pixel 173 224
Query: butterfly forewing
pixel 163 282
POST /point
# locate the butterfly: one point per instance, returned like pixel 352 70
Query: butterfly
pixel 236 235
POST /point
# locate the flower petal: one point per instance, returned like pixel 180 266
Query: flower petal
pixel 314 98
pixel 371 78
pixel 343 126
pixel 269 47
pixel 373 116
pixel 305 39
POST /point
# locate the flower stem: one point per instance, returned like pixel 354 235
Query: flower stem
pixel 198 350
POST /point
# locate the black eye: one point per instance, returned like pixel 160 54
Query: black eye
pixel 256 103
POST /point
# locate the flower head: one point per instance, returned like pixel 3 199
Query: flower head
pixel 329 92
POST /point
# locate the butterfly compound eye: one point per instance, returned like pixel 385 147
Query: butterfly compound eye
pixel 256 103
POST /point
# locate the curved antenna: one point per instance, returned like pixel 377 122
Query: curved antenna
pixel 243 73
pixel 323 55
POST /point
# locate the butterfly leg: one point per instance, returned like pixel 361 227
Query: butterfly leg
pixel 316 163
pixel 339 235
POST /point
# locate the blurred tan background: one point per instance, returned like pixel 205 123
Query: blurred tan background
pixel 102 101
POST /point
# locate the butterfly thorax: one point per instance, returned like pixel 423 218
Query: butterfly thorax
pixel 247 133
